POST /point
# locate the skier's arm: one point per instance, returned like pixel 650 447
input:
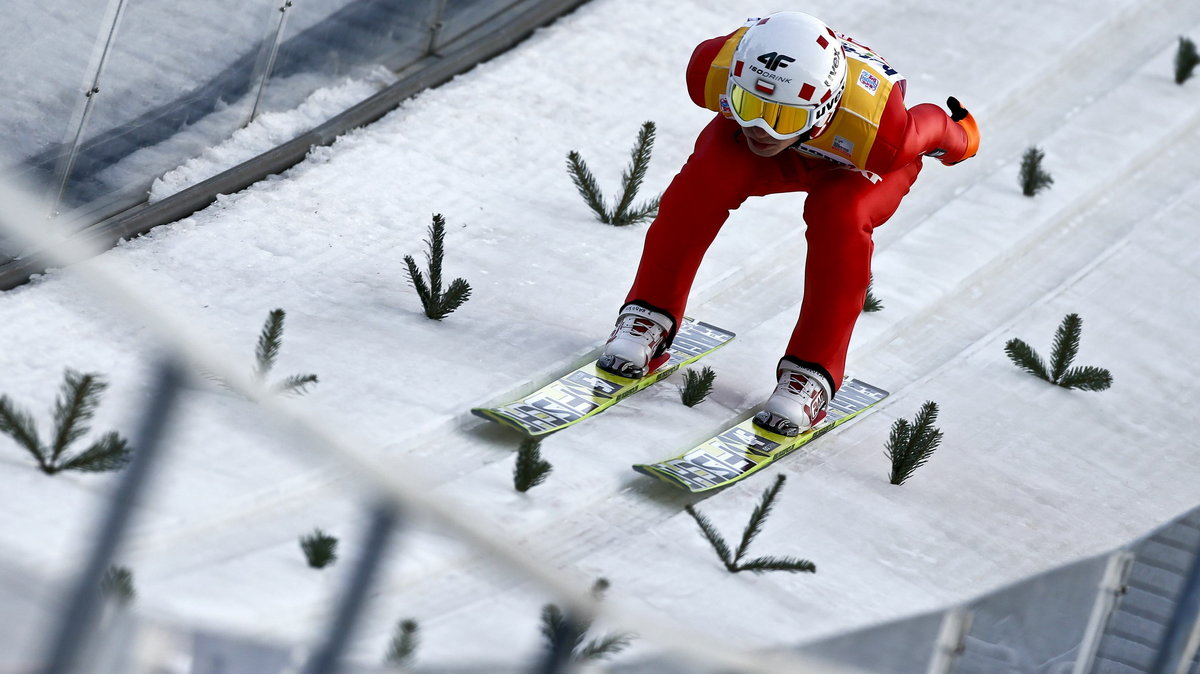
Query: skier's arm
pixel 948 138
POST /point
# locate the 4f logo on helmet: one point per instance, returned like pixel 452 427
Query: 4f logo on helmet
pixel 775 60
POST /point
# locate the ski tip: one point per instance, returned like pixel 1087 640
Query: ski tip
pixel 650 471
pixel 493 416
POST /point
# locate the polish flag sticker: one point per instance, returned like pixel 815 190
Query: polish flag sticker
pixel 765 87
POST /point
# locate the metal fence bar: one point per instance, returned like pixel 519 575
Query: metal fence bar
pixel 274 52
pixel 81 610
pixel 951 641
pixel 384 517
pixel 1112 588
pixel 435 27
pixel 66 167
pixel 1169 659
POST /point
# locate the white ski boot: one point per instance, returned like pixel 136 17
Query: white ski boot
pixel 798 403
pixel 639 338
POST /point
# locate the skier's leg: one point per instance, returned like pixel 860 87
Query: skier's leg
pixel 841 211
pixel 715 180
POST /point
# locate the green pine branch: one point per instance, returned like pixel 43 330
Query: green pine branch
pixel 266 352
pixel 19 425
pixel 585 183
pixel 117 583
pixel 110 452
pixel 553 624
pixel 733 559
pixel 1086 378
pixel 320 549
pixel 604 646
pixel 74 408
pixel 697 386
pixel 530 469
pixel 418 283
pixel 789 564
pixel 872 303
pixel 911 444
pixel 623 212
pixel 436 302
pixel 1186 60
pixel 1026 358
pixel 714 538
pixel 631 181
pixel 1033 178
pixel 758 517
pixel 1065 349
pixel 266 355
pixel 402 649
pixel 557 628
pixel 1066 346
pixel 296 384
pixel 435 252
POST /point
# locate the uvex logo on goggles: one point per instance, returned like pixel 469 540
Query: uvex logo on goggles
pixel 784 119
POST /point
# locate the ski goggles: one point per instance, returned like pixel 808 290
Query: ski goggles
pixel 779 120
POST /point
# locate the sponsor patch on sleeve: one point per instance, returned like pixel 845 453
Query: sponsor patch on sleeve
pixel 869 82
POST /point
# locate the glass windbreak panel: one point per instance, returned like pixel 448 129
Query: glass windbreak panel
pixel 45 46
pixel 898 647
pixel 1036 625
pixel 460 16
pixel 180 77
pixel 325 41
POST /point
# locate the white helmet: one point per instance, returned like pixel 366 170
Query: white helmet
pixel 787 76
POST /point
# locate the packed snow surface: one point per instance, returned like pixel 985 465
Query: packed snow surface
pixel 1029 476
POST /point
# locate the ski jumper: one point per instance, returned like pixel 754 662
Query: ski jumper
pixel 855 172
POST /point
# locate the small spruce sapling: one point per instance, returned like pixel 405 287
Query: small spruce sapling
pixel 623 212
pixel 266 352
pixel 1033 178
pixel 402 649
pixel 697 386
pixel 530 469
pixel 911 444
pixel 437 303
pixel 872 303
pixel 733 559
pixel 74 408
pixel 320 549
pixel 562 633
pixel 1060 372
pixel 1186 60
pixel 117 584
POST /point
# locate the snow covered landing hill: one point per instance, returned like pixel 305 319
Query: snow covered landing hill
pixel 1029 476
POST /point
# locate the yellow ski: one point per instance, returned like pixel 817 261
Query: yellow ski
pixel 745 449
pixel 588 390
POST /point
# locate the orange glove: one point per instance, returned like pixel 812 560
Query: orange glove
pixel 964 119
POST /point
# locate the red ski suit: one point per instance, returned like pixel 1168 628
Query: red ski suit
pixel 843 207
